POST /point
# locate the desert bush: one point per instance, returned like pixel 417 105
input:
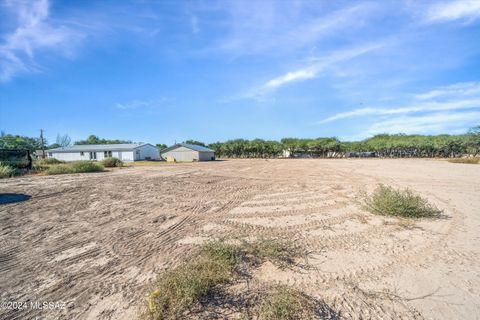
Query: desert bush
pixel 74 167
pixel 112 162
pixel 48 161
pixel 284 303
pixel 6 171
pixel 176 290
pixel 59 169
pixel 86 166
pixel 388 201
pixel 278 251
pixel 465 160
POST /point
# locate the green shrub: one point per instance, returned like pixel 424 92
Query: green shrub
pixel 176 290
pixel 403 203
pixel 59 169
pixel 48 161
pixel 283 303
pixel 6 171
pixel 112 162
pixel 86 166
pixel 74 167
pixel 465 160
pixel 279 252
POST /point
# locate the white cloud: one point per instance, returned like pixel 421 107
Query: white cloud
pixel 316 67
pixel 431 123
pixel 454 90
pixel 457 96
pixel 142 104
pixel 291 76
pixel 34 32
pixel 424 107
pixel 194 24
pixel 273 27
pixel 454 10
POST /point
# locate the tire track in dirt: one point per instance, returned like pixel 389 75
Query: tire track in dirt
pixel 97 240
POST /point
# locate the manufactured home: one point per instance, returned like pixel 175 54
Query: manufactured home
pixel 125 152
pixel 187 152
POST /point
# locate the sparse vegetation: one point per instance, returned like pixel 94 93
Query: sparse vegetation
pixel 112 162
pixel 86 166
pixel 217 263
pixel 284 303
pixel 59 169
pixel 279 252
pixel 388 201
pixel 48 161
pixel 176 290
pixel 465 160
pixel 74 167
pixel 6 171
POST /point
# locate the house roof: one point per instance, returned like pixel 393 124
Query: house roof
pixel 99 147
pixel 189 146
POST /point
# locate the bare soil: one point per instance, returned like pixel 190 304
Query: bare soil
pixel 96 241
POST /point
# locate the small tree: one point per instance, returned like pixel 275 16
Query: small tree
pixel 63 140
pixel 195 142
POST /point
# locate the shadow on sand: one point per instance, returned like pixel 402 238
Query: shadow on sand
pixel 6 198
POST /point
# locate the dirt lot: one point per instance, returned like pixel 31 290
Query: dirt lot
pixel 96 241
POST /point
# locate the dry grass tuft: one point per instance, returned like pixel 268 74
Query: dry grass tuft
pixel 112 162
pixel 284 303
pixel 74 167
pixel 278 251
pixel 176 290
pixel 465 160
pixel 6 171
pixel 400 203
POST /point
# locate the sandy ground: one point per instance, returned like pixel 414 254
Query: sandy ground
pixel 96 241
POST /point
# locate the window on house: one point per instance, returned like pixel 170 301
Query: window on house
pixel 107 154
pixel 81 153
pixel 49 154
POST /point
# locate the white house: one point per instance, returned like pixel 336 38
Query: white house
pixel 125 152
pixel 188 152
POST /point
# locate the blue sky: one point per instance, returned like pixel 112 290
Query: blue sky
pixel 160 71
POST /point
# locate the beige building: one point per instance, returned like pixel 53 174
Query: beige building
pixel 183 152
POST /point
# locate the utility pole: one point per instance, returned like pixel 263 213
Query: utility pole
pixel 42 141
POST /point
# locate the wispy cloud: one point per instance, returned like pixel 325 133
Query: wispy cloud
pixel 315 68
pixel 421 124
pixel 468 10
pixel 424 107
pixel 297 75
pixel 458 96
pixel 194 24
pixel 143 104
pixel 34 32
pixel 454 90
pixel 272 27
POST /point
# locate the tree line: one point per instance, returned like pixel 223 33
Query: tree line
pixel 382 145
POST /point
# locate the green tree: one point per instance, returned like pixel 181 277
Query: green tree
pixel 9 141
pixel 93 139
pixel 195 142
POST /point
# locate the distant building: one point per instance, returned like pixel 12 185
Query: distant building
pixel 184 152
pixel 125 152
pixel 39 154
